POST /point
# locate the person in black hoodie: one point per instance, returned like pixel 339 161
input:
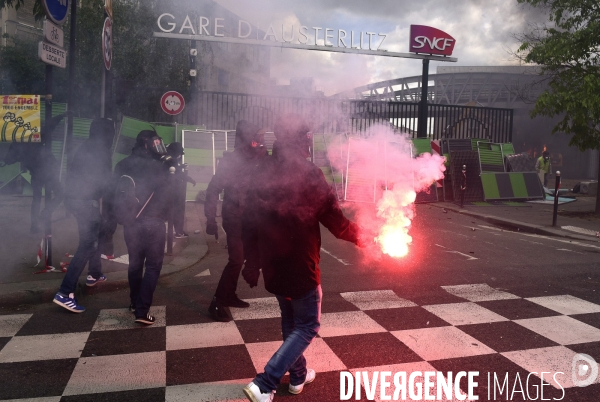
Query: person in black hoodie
pixel 285 204
pixel 148 166
pixel 233 175
pixel 88 180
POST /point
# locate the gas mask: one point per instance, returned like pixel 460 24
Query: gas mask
pixel 157 149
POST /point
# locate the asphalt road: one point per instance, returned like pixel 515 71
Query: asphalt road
pixel 448 250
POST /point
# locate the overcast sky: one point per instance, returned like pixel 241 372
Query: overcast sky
pixel 482 28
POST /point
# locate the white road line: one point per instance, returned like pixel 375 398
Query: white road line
pixel 339 259
pixel 570 242
pixel 571 251
pixel 469 257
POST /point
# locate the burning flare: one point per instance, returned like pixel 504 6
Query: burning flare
pixel 379 167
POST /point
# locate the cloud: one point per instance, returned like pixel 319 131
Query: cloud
pixel 483 31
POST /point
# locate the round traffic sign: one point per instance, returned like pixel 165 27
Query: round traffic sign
pixel 107 43
pixel 56 10
pixel 172 103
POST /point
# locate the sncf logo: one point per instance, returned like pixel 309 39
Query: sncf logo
pixel 429 40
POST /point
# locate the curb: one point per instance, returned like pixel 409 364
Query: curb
pixel 513 225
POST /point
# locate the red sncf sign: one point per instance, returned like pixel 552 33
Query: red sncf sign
pixel 429 40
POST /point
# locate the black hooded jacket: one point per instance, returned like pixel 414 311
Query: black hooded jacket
pixel 89 174
pixel 234 175
pixel 287 200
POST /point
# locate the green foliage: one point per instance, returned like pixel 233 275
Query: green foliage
pixel 568 51
pixel 143 67
pixel 20 72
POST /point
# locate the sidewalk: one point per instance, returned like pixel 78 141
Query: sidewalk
pixel 575 220
pixel 19 284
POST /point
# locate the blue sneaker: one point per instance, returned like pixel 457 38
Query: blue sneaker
pixel 68 302
pixel 91 281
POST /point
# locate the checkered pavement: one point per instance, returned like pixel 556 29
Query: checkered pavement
pixel 104 355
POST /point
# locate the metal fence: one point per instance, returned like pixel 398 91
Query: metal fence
pixel 222 111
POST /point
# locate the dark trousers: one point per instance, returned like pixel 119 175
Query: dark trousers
pixel 87 214
pixel 145 240
pixel 229 278
pixel 179 208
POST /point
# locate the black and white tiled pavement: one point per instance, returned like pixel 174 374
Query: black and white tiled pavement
pixel 104 356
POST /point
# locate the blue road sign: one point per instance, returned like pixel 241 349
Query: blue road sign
pixel 56 10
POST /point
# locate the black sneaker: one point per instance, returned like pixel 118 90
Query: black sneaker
pixel 235 301
pixel 147 320
pixel 219 312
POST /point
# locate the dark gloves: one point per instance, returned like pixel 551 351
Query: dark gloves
pixel 212 229
pixel 251 274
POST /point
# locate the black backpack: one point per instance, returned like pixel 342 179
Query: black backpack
pixel 126 205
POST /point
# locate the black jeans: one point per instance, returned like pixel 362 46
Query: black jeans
pixel 145 240
pixel 229 278
pixel 87 214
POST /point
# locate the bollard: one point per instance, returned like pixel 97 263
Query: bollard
pixel 556 188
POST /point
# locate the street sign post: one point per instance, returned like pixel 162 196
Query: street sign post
pixel 107 42
pixel 108 8
pixel 53 34
pixel 56 10
pixel 52 55
pixel 172 103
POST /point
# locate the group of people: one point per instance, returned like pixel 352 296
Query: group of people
pixel 272 208
pixel 95 195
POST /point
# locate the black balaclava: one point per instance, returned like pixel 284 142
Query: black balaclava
pixel 248 139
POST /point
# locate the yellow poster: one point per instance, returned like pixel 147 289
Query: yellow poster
pixel 20 118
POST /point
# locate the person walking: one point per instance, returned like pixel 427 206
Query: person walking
pixel 181 179
pixel 233 176
pixel 88 179
pixel 543 167
pixel 286 202
pixel 148 169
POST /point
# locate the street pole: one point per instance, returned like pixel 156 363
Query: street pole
pixel 422 118
pixel 70 103
pixel 193 55
pixel 47 187
pixel 556 188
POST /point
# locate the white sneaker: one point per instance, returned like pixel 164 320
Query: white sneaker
pixel 253 393
pixel 310 377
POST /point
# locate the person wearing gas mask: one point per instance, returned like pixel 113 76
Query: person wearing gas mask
pixel 148 167
pixel 286 202
pixel 233 175
pixel 88 180
pixel 175 150
pixel 543 167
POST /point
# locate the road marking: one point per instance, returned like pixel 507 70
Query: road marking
pixel 469 257
pixel 339 259
pixel 570 242
pixel 206 272
pixel 571 251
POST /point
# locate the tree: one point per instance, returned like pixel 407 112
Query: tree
pixel 143 66
pixel 568 50
pixel 38 8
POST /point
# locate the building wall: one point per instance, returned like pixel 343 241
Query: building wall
pixel 19 23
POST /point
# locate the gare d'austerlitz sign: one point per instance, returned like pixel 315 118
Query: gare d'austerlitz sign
pixel 428 43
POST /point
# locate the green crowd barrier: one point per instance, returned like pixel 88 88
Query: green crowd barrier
pixel 511 186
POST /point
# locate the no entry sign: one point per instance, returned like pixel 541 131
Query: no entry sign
pixel 107 43
pixel 172 103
